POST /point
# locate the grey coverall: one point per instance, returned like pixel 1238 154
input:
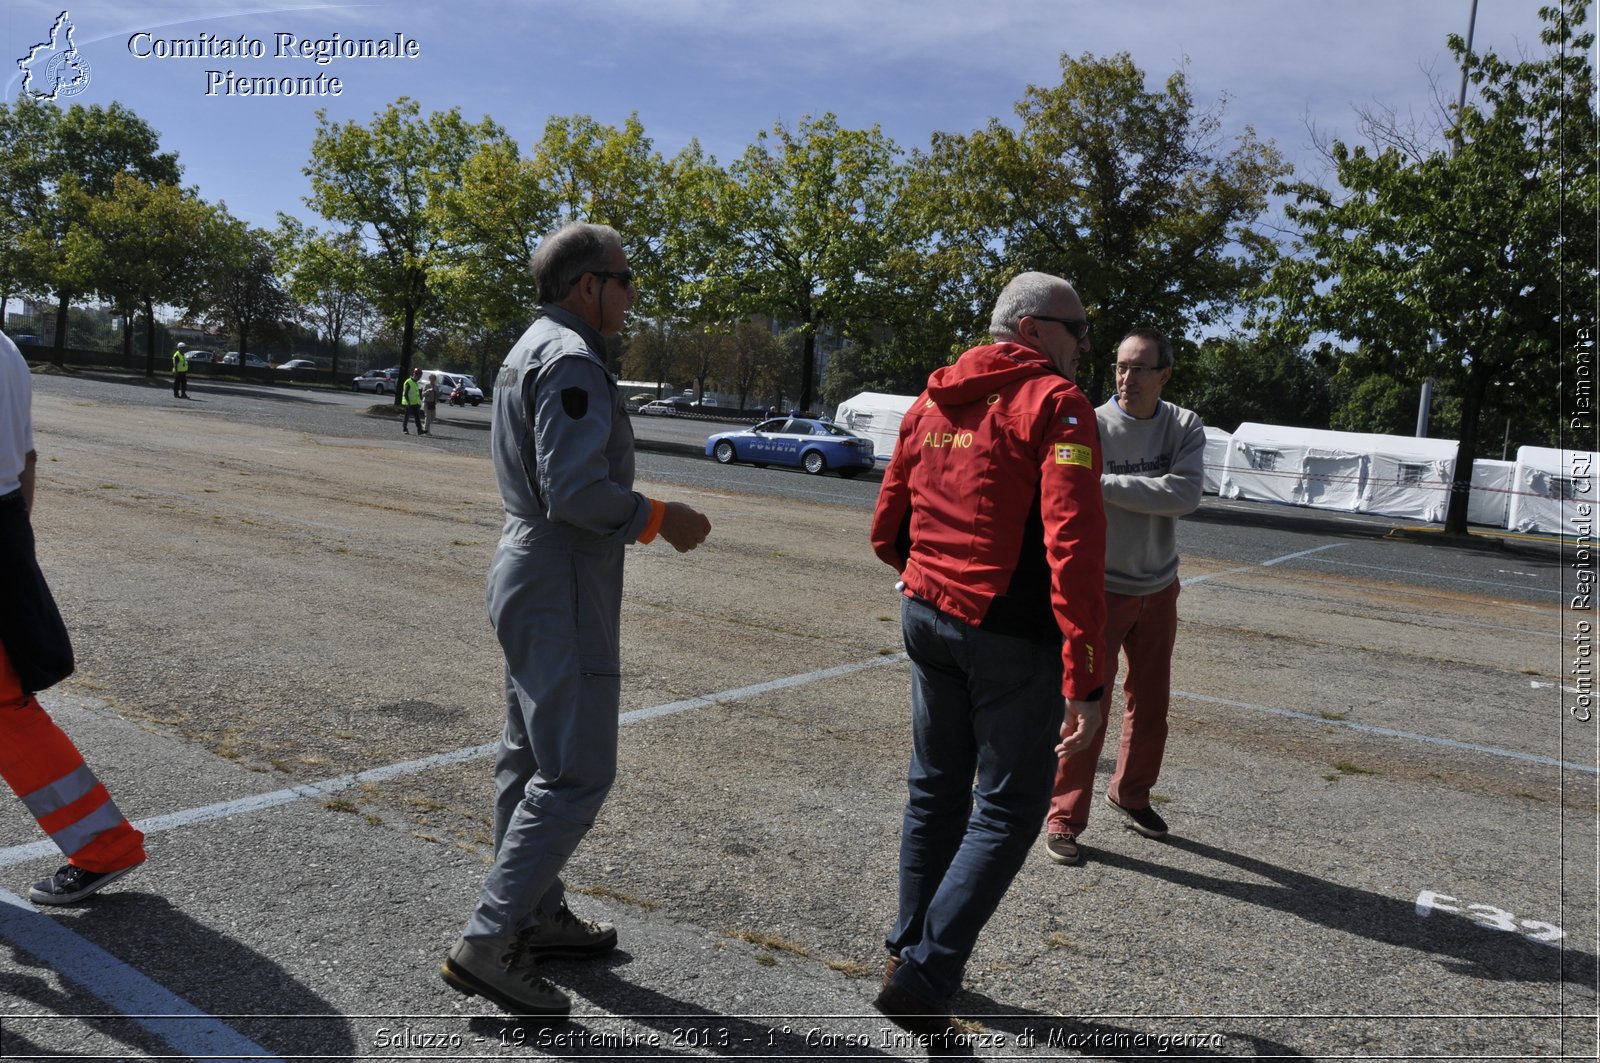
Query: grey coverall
pixel 562 448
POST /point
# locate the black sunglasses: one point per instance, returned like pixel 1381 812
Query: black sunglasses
pixel 1078 326
pixel 623 277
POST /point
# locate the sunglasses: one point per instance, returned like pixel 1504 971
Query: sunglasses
pixel 1078 326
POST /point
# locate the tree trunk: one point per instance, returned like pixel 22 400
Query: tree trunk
pixel 61 329
pixel 1455 517
pixel 808 369
pixel 408 335
pixel 150 337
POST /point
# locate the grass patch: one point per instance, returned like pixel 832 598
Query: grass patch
pixel 1058 940
pixel 609 894
pixel 849 968
pixel 340 804
pixel 771 942
pixel 1160 799
pixel 766 959
pixel 1346 767
pixel 1334 715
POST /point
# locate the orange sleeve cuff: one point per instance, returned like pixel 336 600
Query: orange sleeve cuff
pixel 658 511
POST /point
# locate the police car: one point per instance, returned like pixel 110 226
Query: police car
pixel 799 442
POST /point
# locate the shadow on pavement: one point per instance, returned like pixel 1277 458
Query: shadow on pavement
pixel 1466 946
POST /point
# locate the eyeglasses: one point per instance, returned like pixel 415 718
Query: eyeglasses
pixel 1137 370
pixel 1078 326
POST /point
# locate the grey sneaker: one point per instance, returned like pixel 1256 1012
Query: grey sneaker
pixel 501 970
pixel 1144 820
pixel 71 884
pixel 564 936
pixel 1063 848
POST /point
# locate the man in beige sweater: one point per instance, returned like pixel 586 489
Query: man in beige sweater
pixel 1152 474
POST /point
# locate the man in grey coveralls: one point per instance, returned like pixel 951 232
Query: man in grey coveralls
pixel 562 448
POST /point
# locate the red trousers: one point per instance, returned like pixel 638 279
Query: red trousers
pixel 43 767
pixel 1145 627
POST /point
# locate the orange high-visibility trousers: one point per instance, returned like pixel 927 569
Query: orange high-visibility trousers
pixel 43 767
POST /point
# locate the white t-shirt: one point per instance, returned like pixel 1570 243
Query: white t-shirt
pixel 16 415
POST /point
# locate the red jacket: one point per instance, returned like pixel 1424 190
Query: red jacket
pixel 991 511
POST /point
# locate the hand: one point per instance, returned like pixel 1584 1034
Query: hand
pixel 1083 720
pixel 684 527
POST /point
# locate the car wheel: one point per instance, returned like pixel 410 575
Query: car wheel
pixel 814 463
pixel 379 389
pixel 724 452
pixel 476 401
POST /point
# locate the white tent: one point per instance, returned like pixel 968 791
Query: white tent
pixel 1400 476
pixel 1490 500
pixel 1216 458
pixel 876 416
pixel 1547 487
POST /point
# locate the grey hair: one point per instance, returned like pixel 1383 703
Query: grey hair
pixel 1023 296
pixel 1157 337
pixel 569 252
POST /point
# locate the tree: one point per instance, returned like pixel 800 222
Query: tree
pixel 327 279
pixel 1231 381
pixel 803 224
pixel 389 180
pixel 137 247
pixel 241 292
pixel 27 130
pixel 83 150
pixel 1465 260
pixel 1124 191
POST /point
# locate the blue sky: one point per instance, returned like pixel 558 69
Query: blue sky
pixel 723 70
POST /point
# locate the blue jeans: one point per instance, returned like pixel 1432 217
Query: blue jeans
pixel 983 705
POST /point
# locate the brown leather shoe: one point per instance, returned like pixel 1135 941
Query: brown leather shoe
pixel 890 966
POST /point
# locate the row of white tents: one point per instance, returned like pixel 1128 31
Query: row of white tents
pixel 1353 472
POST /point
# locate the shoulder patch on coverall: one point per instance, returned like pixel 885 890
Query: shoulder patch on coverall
pixel 575 401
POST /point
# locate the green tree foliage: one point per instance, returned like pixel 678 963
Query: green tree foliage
pixel 141 245
pixel 803 225
pixel 1470 265
pixel 1126 192
pixel 326 279
pixel 75 160
pixel 1230 381
pixel 390 181
pixel 241 292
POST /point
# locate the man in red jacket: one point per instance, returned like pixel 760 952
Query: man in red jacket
pixel 990 511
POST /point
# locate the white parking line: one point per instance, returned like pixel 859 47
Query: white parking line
pixel 1389 732
pixel 179 1023
pixel 1192 580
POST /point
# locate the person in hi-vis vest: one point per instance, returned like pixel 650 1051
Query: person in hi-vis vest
pixel 180 372
pixel 37 759
pixel 411 402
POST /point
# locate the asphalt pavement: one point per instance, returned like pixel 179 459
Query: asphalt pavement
pixel 1383 809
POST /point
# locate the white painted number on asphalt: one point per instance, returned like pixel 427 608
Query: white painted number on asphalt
pixel 1494 918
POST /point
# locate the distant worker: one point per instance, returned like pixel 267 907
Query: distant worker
pixel 180 372
pixel 990 511
pixel 37 759
pixel 1154 474
pixel 430 402
pixel 562 449
pixel 411 402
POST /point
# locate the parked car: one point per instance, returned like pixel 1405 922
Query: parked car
pixel 633 402
pixel 201 356
pixel 232 358
pixel 660 408
pixel 800 442
pixel 297 363
pixel 378 380
pixel 448 382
